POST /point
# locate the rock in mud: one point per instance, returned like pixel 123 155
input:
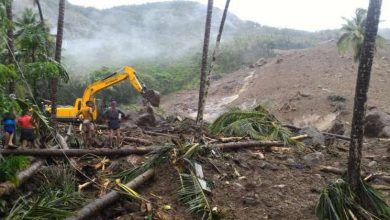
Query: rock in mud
pixel 372 164
pixel 314 159
pixel 267 166
pixel 146 117
pixel 250 200
pixel 317 138
pixel 377 123
pixel 337 128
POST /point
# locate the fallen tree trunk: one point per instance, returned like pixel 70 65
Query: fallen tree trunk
pixel 62 143
pixel 137 140
pixel 94 207
pixel 248 144
pixel 341 137
pixel 78 152
pixel 338 171
pixel 7 187
pixel 159 134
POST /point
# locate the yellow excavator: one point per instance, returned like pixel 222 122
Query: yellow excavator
pixel 70 113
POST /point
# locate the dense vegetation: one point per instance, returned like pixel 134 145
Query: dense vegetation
pixel 161 41
pixel 164 50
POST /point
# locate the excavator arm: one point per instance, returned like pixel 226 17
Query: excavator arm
pixel 126 73
pixel 80 108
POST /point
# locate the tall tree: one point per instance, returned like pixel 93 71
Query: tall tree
pixel 362 85
pixel 213 59
pixel 10 41
pixel 57 56
pixel 352 36
pixel 199 118
pixel 38 3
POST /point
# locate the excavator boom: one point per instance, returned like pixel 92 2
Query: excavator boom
pixel 126 72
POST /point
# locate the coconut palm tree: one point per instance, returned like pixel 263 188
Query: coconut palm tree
pixel 32 37
pixel 38 3
pixel 57 56
pixel 213 59
pixel 199 118
pixel 10 41
pixel 352 36
pixel 362 84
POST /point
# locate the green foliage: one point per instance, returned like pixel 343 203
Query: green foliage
pixel 258 124
pixel 192 195
pixel 7 72
pixel 33 38
pixel 7 104
pixel 9 166
pixel 338 202
pixel 57 198
pixel 37 114
pixel 352 36
pixel 46 70
pixel 155 158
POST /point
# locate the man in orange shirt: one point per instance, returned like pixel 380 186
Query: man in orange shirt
pixel 27 125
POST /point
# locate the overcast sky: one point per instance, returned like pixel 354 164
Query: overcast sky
pixel 308 15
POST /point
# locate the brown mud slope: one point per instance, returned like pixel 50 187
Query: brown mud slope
pixel 296 86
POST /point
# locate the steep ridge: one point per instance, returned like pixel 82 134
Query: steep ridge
pixel 299 86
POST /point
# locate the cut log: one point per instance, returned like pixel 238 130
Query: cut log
pixel 78 152
pixel 230 139
pixel 300 137
pixel 94 207
pixel 334 170
pixel 7 187
pixel 248 144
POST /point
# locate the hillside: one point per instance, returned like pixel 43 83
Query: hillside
pixel 298 86
pixel 169 30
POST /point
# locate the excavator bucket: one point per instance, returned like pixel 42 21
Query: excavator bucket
pixel 152 96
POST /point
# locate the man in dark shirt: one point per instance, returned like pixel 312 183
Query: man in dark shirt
pixel 113 115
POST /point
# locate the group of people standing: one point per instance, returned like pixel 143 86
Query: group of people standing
pixel 27 125
pixel 112 116
pixel 10 121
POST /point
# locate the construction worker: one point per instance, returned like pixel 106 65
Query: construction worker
pixel 27 125
pixel 113 116
pixel 88 126
pixel 9 123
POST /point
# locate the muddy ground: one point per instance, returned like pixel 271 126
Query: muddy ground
pixel 280 186
pixel 303 87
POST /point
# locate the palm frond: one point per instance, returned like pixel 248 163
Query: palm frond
pixel 257 124
pixel 155 158
pixel 130 192
pixel 57 198
pixel 338 202
pixel 353 34
pixel 192 194
pixel 190 150
pixel 376 201
pixel 9 166
pixel 37 114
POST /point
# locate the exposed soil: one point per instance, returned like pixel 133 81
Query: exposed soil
pixel 295 84
pixel 301 87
